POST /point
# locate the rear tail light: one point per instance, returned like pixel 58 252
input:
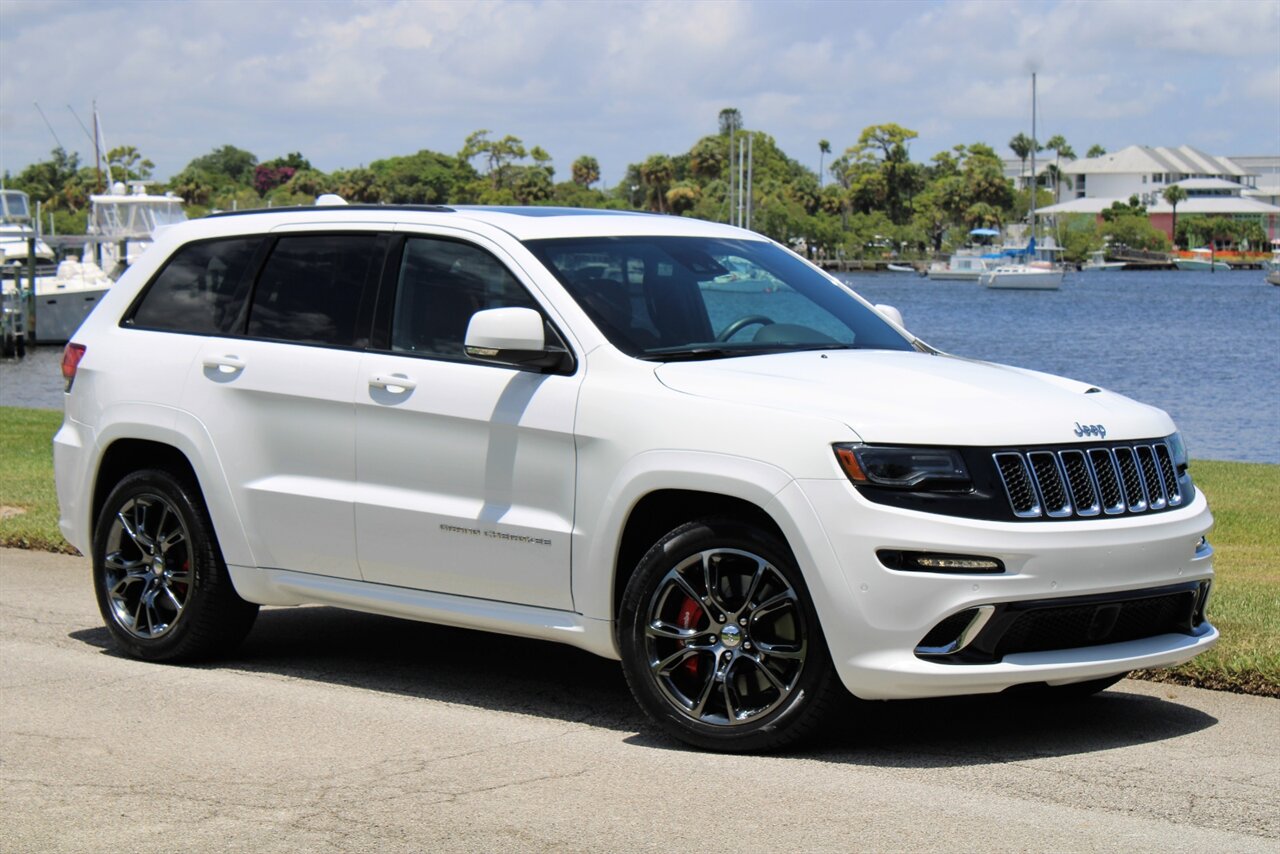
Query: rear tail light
pixel 71 357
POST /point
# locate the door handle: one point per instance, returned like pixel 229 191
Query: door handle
pixel 394 383
pixel 224 364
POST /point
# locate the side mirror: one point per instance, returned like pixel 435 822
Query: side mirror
pixel 512 336
pixel 891 313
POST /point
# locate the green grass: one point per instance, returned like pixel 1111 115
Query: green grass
pixel 26 480
pixel 1246 594
pixel 1245 605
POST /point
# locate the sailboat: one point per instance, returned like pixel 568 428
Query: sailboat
pixel 1032 274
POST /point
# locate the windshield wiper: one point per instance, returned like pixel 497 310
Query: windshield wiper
pixel 692 354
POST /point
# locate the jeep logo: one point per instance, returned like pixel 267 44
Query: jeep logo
pixel 1091 430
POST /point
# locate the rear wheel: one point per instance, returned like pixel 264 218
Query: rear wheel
pixel 720 641
pixel 161 584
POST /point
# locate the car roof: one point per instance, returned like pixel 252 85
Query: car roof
pixel 523 223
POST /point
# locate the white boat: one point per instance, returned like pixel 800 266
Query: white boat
pixel 966 265
pixel 901 268
pixel 16 231
pixel 1098 263
pixel 124 222
pixel 1035 274
pixel 1203 260
pixel 1273 266
pixel 1023 277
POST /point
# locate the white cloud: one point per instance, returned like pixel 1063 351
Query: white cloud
pixel 349 82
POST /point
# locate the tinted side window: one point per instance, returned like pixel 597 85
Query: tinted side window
pixel 309 291
pixel 443 283
pixel 201 289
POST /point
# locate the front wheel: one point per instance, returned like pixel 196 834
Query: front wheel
pixel 720 641
pixel 158 574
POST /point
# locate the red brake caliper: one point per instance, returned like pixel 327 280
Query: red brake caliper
pixel 688 618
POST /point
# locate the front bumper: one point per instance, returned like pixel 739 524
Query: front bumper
pixel 875 618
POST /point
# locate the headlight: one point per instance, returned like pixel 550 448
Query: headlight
pixel 922 469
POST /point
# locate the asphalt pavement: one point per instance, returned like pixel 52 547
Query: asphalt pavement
pixel 338 731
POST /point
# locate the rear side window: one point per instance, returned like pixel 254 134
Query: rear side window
pixel 443 283
pixel 202 288
pixel 310 289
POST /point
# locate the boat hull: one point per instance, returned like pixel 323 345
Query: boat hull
pixel 954 275
pixel 1023 280
pixel 1197 264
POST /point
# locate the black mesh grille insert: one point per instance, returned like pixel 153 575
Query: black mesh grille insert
pixel 1017 484
pixel 1104 467
pixel 1071 623
pixel 1083 495
pixel 1165 461
pixel 1132 480
pixel 1090 625
pixel 1150 474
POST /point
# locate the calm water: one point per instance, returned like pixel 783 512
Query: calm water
pixel 1205 347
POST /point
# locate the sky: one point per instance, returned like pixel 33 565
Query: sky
pixel 346 83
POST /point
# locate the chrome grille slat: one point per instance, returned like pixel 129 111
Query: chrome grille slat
pixel 1086 482
pixel 1017 485
pixel 1080 480
pixel 1049 481
pixel 1151 477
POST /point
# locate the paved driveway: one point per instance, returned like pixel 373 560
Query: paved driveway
pixel 335 731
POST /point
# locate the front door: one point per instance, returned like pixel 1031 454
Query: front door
pixel 465 470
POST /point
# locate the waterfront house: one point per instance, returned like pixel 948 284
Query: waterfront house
pixel 1215 186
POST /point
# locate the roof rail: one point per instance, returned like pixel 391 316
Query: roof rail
pixel 327 209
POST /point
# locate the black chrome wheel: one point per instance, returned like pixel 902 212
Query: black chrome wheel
pixel 161 585
pixel 721 644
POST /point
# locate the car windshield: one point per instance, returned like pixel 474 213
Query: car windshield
pixel 668 298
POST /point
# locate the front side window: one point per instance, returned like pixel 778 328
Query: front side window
pixel 310 289
pixel 201 289
pixel 442 283
pixel 665 298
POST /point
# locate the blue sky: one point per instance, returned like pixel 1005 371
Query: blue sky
pixel 347 83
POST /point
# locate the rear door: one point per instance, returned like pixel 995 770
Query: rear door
pixel 277 399
pixel 465 470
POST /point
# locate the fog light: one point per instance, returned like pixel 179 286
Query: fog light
pixel 930 562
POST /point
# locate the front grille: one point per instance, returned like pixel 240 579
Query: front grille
pixel 1077 483
pixel 1070 623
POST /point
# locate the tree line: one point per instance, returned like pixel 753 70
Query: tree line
pixel 869 201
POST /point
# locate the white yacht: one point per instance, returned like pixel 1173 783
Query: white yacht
pixel 125 220
pixel 966 265
pixel 1098 263
pixel 16 230
pixel 1202 259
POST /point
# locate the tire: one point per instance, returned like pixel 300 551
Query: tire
pixel 720 642
pixel 158 574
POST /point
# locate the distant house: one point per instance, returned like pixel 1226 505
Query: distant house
pixel 1215 186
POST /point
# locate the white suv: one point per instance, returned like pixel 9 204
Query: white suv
pixel 666 441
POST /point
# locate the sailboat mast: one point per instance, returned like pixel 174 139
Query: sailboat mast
pixel 1034 145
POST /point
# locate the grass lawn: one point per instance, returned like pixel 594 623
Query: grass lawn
pixel 1245 605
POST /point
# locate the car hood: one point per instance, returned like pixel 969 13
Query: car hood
pixel 916 398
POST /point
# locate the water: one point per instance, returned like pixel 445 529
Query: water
pixel 1205 347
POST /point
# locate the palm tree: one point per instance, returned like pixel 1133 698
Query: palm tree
pixel 1022 145
pixel 656 174
pixel 1174 195
pixel 586 171
pixel 1058 145
pixel 824 148
pixel 1096 150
